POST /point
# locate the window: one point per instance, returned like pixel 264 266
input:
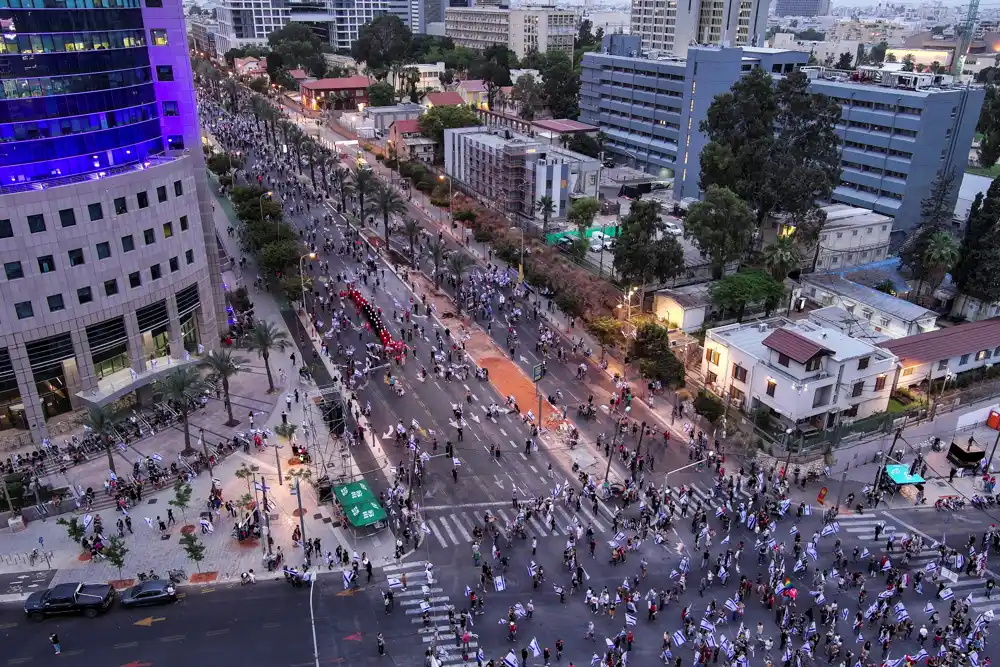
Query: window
pixel 863 363
pixel 739 373
pixel 170 109
pixel 46 264
pixel 980 355
pixel 85 295
pixel 128 243
pixel 142 199
pixel 712 356
pixel 909 370
pixel 175 265
pixel 771 387
pixel 710 377
pixel 121 206
pixel 134 279
pixel 880 383
pixel 178 188
pixel 189 256
pixel 6 231
pixel 13 270
pixel 885 321
pixel 175 142
pixel 76 257
pixel 67 218
pixel 155 272
pixel 857 389
pixel 110 287
pixel 103 250
pixel 161 194
pixel 24 310
pixel 96 211
pixel 814 364
pixel 943 364
pixel 36 223
pixel 56 303
pixel 736 394
pixel 164 73
pixel 964 360
pixel 149 237
pixel 158 37
pixel 168 230
pixel 783 360
pixel 184 223
pixel 154 3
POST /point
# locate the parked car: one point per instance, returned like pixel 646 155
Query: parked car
pixel 673 228
pixel 158 591
pixel 73 598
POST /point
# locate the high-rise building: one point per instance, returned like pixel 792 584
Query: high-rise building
pixel 802 8
pixel 110 261
pixel 521 30
pixel 671 26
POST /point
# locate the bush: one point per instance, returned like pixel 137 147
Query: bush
pixel 709 406
pixel 392 163
pixel 466 216
pixel 483 236
pixel 226 181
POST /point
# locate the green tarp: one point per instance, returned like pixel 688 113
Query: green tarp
pixel 353 493
pixel 365 513
pixel 610 231
pixel 900 474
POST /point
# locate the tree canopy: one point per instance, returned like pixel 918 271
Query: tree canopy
pixel 381 94
pixel 561 85
pixel 977 273
pixel 656 360
pixel 644 252
pixel 936 213
pixel 722 226
pixel 438 119
pixel 381 43
pixel 748 287
pixel 297 46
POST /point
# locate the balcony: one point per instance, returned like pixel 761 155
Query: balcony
pixel 115 385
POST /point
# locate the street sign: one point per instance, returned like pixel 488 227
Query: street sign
pixel 536 372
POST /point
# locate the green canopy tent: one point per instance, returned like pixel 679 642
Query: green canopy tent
pixel 353 493
pixel 365 514
pixel 360 507
pixel 899 476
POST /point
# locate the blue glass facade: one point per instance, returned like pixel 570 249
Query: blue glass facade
pixel 77 90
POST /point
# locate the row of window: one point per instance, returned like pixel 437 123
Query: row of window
pixel 876 106
pixel 78 4
pixel 868 148
pixel 61 127
pixel 884 129
pixel 878 192
pixel 868 169
pixel 71 41
pixel 84 295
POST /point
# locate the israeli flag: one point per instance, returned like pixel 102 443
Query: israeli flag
pixel 946 594
pixel 821 599
pixel 923 654
pixel 788 654
pixel 480 656
pixel 510 660
pixel 812 552
pixel 865 553
pixel 625 658
pixel 793 530
pixel 347 579
pixel 811 630
pixel 719 511
pixel 674 574
pixel 625 584
pixel 871 610
pixel 424 527
pixel 860 639
pixel 885 595
pixel 899 608
pixel 968 599
pixel 959 564
pixel 888 564
pixel 630 619
pixel 929 608
pixel 807 510
pixel 468 591
pixel 730 605
pixel 395 583
pixel 751 521
pixel 827 530
pixel 520 611
pixel 499 584
pixel 596 660
pixel 931 566
pixel 725 540
pixel 705 625
pixel 845 615
pixel 535 651
pixel 678 638
pixel 531 569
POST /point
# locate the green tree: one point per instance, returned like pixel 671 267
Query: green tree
pixel 381 94
pixel 194 548
pixel 364 183
pixel 437 250
pixel 545 207
pixel 411 228
pixel 436 120
pixel 345 188
pixel 845 60
pixel 222 365
pixel 277 257
pixel 722 226
pixel 561 84
pixel 989 127
pixel 940 255
pixel 458 264
pixel 908 62
pixel 781 257
pixel 656 360
pixel 74 528
pixel 100 420
pixel 528 95
pixel 382 43
pixel 182 385
pixel 585 144
pixel 264 338
pixel 936 213
pixel 645 252
pixel 810 35
pixel 387 203
pixel 977 272
pixel 296 44
pixel 223 163
pixel 750 286
pixel 709 407
pixel 607 330
pixel 114 552
pixel 182 497
pixel 582 213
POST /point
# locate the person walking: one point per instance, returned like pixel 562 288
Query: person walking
pixel 54 638
pixel 381 643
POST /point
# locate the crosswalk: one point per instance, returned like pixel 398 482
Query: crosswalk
pixel 702 494
pixel 861 527
pixel 455 529
pixel 422 587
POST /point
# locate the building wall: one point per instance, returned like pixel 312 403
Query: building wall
pixel 665 25
pixel 802 8
pixel 881 321
pixel 477 28
pixel 542 31
pixel 823 51
pixel 852 246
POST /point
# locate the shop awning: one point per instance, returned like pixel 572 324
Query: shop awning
pixel 900 474
pixel 365 513
pixel 354 493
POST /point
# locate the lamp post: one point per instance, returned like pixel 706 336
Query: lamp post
pixel 302 278
pixel 627 305
pixel 519 229
pixel 442 178
pixel 260 202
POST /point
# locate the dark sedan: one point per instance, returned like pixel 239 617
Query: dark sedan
pixel 160 591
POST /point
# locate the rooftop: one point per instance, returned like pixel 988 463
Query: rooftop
pixel 794 345
pixel 946 343
pixel 343 83
pixel 842 216
pixel 889 75
pixel 444 99
pixel 405 126
pixel 298 74
pixel 800 337
pixel 395 108
pixel 688 296
pixel 835 317
pixel 472 86
pixel 886 303
pixel 564 125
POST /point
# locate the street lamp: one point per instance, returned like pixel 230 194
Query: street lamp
pixel 518 229
pixel 451 217
pixel 302 278
pixel 627 305
pixel 261 202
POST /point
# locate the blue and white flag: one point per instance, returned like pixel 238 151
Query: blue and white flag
pixel 531 569
pixel 347 579
pixel 845 615
pixel 751 521
pixel 788 654
pixel 885 595
pixel 793 530
pixel 725 540
pixel 807 510
pixel 596 660
pixel 811 550
pixel 811 630
pixel 968 599
pixel 625 658
pixel 395 583
pixel 959 564
pixel 731 605
pixel 678 638
pixel 920 656
pixel 500 584
pixel 510 660
pixel 630 620
pixel 625 584
pixel 705 625
pixel 931 566
pixel 974 659
pixel 480 656
pixel 520 611
pixel 859 639
pixel 929 608
pixel 468 591
pixel 535 650
pixel 946 594
pixel 719 511
pixel 888 564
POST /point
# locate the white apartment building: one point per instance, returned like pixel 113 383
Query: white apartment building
pixel 666 25
pixel 871 32
pixel 946 352
pixel 521 30
pixel 248 22
pixel 809 377
pixel 827 51
pixel 430 77
pixel 852 236
pixel 887 314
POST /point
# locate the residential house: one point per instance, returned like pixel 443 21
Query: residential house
pixel 409 142
pixel 445 99
pixel 252 67
pixel 298 75
pixel 343 94
pixel 383 117
pixel 852 236
pixel 808 377
pixel 888 314
pixel 473 92
pixel 946 352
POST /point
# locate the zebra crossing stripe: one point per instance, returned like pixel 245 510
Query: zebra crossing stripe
pixel 447 529
pixel 435 532
pixel 461 529
pixel 537 525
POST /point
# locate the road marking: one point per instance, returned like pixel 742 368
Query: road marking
pixel 533 469
pixel 542 479
pixel 18 661
pixel 461 529
pixel 524 456
pixel 172 638
pixel 447 529
pixel 503 433
pixel 126 645
pixel 271 625
pixel 76 651
pixel 466 505
pixel 208 590
pixel 215 633
pixel 4 626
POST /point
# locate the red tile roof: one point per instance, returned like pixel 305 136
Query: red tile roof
pixel 445 99
pixel 345 83
pixel 405 126
pixel 473 86
pixel 565 125
pixel 794 346
pixel 946 343
pixel 298 74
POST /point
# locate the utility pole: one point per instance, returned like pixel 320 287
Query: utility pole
pixel 993 453
pixel 302 520
pixel 267 519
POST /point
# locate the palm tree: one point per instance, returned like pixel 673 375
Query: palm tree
pixel 181 385
pixel 457 265
pixel 781 257
pixel 222 365
pixel 363 181
pixel 311 151
pixel 342 177
pixel 232 91
pixel 940 256
pixel 437 254
pixel 325 161
pixel 387 201
pixel 264 338
pixel 412 230
pixel 101 422
pixel 546 207
pixel 297 140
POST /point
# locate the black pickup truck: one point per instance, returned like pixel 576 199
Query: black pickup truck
pixel 64 599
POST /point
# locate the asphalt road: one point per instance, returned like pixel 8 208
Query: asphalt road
pixel 14 583
pixel 266 624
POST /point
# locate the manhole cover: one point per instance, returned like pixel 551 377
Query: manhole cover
pixel 152 501
pixel 317 517
pixel 327 519
pixel 940 483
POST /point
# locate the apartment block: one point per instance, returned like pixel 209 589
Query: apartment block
pixel 511 171
pixel 802 7
pixel 673 27
pixel 521 30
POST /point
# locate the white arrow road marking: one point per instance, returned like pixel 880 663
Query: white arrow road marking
pixel 475 418
pixel 524 359
pixel 499 483
pixel 388 434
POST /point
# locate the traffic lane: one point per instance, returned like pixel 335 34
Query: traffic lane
pixel 347 622
pixel 267 623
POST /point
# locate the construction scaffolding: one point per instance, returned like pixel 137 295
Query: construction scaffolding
pixel 514 180
pixel 325 431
